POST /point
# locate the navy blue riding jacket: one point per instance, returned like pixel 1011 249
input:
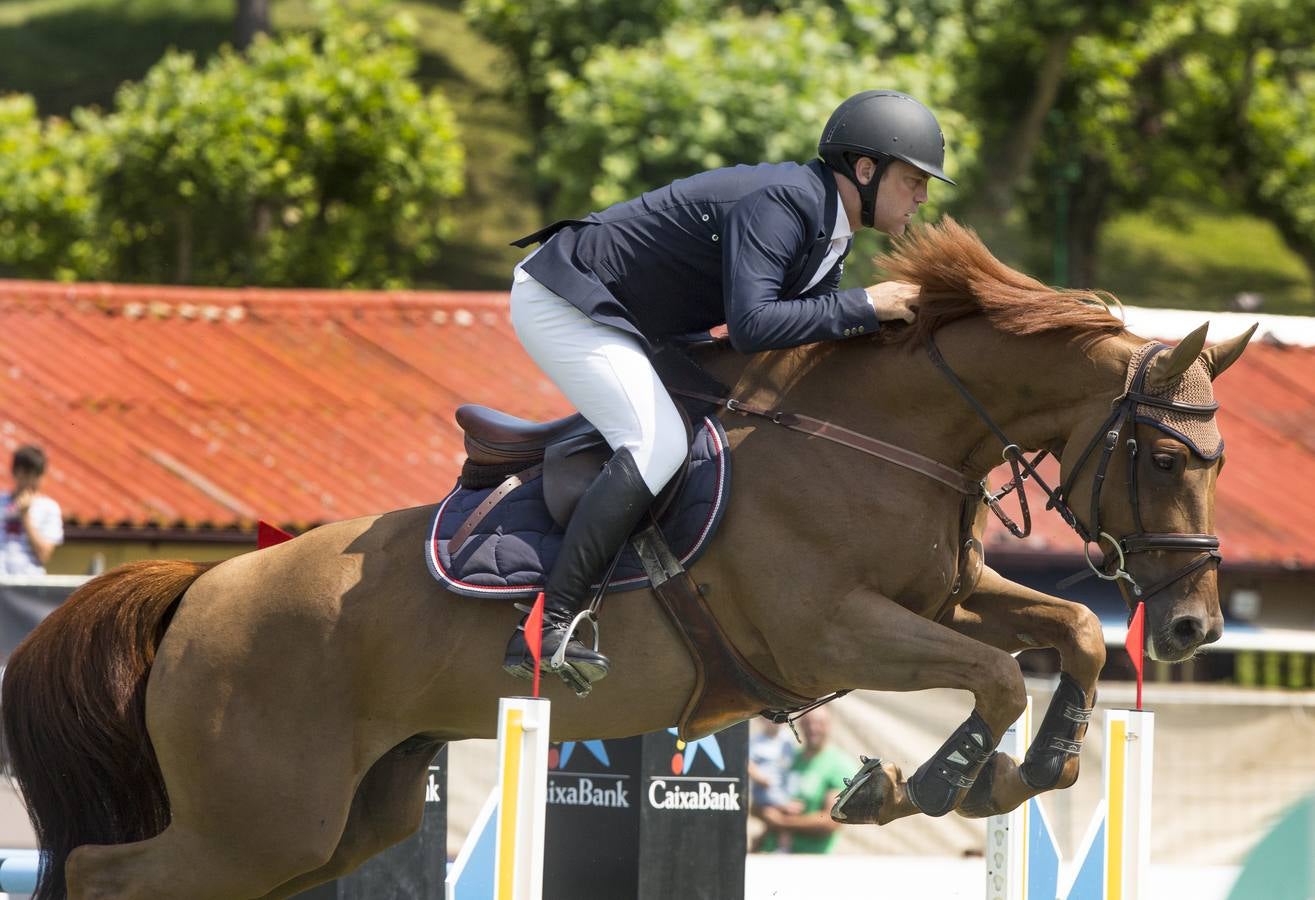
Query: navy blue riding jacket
pixel 734 245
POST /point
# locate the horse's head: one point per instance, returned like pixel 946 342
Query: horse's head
pixel 1140 477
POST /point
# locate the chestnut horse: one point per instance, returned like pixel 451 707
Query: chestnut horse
pixel 256 727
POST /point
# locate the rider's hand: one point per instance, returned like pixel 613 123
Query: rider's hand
pixel 894 300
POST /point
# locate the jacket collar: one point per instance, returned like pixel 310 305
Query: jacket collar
pixel 822 231
pixel 830 198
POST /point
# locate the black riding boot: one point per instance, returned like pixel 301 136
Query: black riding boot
pixel 599 527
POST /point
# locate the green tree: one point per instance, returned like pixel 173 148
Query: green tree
pixel 737 89
pixel 1248 75
pixel 1206 101
pixel 545 39
pixel 1078 112
pixel 312 160
pixel 48 205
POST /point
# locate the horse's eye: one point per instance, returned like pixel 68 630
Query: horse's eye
pixel 1163 461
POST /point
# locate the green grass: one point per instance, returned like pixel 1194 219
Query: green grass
pixel 71 53
pixel 1193 258
pixel 497 206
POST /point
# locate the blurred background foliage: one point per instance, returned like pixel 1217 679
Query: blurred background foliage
pixel 1163 149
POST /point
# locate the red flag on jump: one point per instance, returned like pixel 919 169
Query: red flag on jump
pixel 534 636
pixel 1135 643
pixel 268 535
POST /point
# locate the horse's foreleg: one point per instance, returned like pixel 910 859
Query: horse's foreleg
pixel 916 654
pixel 1012 617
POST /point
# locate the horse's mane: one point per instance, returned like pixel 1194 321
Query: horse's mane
pixel 960 278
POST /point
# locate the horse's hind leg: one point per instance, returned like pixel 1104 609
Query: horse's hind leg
pixel 260 773
pixel 914 654
pixel 263 825
pixel 1013 618
pixel 387 809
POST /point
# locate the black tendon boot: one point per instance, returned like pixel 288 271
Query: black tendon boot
pixel 599 527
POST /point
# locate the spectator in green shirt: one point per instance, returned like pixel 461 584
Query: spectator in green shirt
pixel 815 779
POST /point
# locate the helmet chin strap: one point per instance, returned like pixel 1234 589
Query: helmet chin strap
pixel 867 193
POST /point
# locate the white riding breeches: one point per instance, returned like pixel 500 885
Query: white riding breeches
pixel 605 373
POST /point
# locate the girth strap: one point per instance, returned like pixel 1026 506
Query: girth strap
pixel 727 688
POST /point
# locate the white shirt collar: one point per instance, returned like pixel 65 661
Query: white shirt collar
pixel 841 231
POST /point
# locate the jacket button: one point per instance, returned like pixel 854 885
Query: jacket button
pixel 705 217
pixel 716 237
pixel 862 328
pixel 848 332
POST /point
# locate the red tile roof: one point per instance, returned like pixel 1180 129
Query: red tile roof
pixel 165 407
pixel 200 407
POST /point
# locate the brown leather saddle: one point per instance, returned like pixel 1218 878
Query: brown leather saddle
pixel 570 450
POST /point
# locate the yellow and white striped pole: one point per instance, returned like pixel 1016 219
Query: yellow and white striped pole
pixel 502 858
pixel 1129 750
pixel 523 787
pixel 1113 860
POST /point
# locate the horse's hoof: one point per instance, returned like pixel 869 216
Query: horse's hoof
pixel 869 796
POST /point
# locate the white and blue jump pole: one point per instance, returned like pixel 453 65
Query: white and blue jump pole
pixel 1023 861
pixel 502 858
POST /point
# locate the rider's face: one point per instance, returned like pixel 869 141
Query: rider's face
pixel 903 189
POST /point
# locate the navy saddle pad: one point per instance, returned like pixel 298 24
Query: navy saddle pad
pixel 511 551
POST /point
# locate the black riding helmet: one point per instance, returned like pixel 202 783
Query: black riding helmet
pixel 882 125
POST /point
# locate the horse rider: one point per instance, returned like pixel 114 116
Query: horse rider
pixel 760 248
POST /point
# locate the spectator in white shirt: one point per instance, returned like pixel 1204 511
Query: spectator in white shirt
pixel 33 524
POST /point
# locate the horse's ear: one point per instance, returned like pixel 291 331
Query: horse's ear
pixel 1168 367
pixel 1225 353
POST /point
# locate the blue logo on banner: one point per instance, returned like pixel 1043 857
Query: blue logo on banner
pixel 690 751
pixel 596 748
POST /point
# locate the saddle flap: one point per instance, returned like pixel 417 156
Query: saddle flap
pixel 569 467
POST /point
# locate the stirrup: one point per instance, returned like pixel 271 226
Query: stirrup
pixel 558 659
pixel 557 664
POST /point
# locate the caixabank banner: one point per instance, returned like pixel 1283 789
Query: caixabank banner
pixel 649 817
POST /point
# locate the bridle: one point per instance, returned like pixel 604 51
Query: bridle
pixel 1106 440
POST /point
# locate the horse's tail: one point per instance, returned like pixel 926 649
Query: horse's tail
pixel 74 709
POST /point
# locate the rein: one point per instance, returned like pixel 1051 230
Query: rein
pixel 891 453
pixel 1106 438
